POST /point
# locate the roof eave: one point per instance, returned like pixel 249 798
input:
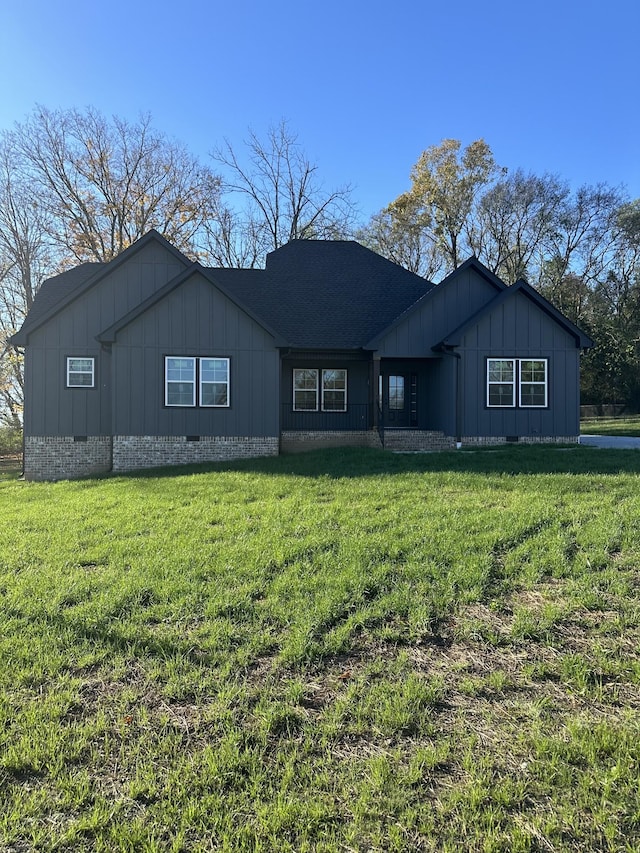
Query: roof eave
pixel 454 338
pixel 109 335
pixel 106 268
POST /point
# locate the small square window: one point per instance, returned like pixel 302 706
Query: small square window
pixel 80 372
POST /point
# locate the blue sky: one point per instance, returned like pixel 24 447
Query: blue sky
pixel 367 85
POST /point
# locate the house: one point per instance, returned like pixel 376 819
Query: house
pixel 152 359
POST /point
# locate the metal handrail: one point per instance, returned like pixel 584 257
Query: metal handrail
pixel 358 416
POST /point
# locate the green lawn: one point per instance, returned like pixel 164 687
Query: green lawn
pixel 340 651
pixel 611 426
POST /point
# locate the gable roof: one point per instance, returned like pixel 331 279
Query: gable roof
pixel 435 290
pixel 52 292
pixel 313 294
pixel 60 290
pixel 329 294
pixel 109 335
pixel 454 338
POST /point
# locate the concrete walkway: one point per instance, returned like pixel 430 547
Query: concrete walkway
pixel 611 442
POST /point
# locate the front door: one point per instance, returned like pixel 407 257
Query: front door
pixel 399 398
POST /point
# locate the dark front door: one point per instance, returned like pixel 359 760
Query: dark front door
pixel 399 400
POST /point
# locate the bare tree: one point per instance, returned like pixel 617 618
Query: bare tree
pixel 103 184
pixel 276 194
pixel 76 187
pixel 515 222
pixel 25 260
pixel 588 232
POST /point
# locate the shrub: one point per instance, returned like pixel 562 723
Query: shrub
pixel 10 441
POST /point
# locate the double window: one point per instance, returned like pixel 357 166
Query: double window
pixel 191 381
pixel 81 372
pixel 522 382
pixel 315 389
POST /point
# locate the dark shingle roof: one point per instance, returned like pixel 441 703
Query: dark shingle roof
pixel 326 294
pixel 55 289
pixel 65 287
pixel 315 294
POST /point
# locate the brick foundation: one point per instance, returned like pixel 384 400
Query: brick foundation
pixel 66 457
pixel 415 440
pixel 494 440
pixel 297 441
pixel 131 452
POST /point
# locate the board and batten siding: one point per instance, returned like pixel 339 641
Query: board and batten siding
pixel 518 328
pixel 51 408
pixel 444 308
pixel 196 319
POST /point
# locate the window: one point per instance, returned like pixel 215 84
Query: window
pixel 529 376
pixel 181 384
pixel 396 393
pixel 305 390
pixel 331 393
pixel 533 383
pixel 214 381
pixel 501 382
pixel 80 372
pixel 334 390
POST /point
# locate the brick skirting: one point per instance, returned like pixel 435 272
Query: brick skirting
pixel 297 441
pixel 66 457
pixel 131 452
pixel 493 440
pixel 414 440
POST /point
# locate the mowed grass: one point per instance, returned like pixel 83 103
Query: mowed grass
pixel 611 426
pixel 340 651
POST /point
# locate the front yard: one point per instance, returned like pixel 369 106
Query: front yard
pixel 349 650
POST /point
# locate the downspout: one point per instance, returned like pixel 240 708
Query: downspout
pixel 108 349
pixel 458 410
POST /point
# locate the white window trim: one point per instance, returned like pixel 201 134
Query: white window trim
pixel 513 383
pixel 70 372
pixel 201 383
pixel 517 383
pixel 168 382
pixel 545 383
pixel 326 370
pixel 196 394
pixel 305 390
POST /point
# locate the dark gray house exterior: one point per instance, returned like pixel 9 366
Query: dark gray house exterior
pixel 153 360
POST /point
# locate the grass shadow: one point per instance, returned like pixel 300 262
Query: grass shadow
pixel 349 462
